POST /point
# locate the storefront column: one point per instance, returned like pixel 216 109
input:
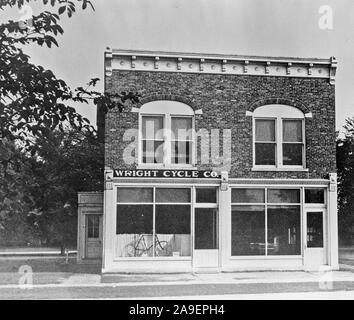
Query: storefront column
pixel 225 220
pixel 333 222
pixel 108 221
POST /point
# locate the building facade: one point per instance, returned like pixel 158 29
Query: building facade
pixel 227 163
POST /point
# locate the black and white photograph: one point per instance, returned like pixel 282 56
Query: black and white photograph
pixel 176 154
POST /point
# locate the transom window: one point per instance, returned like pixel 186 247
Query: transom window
pixel 166 133
pixel 279 137
pixel 315 196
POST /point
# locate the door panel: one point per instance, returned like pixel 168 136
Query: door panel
pixel 314 229
pixel 314 252
pixel 206 231
pixel 206 251
pixel 93 236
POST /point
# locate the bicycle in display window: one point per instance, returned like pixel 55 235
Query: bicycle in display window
pixel 143 247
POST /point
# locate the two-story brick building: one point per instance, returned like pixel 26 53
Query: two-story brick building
pixel 227 163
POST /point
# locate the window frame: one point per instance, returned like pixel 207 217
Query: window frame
pixel 170 140
pixel 141 139
pixel 316 205
pixel 275 142
pixel 279 140
pixel 154 204
pixel 167 141
pixel 267 204
pixel 303 143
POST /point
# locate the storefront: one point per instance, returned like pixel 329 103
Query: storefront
pixel 226 163
pixel 175 225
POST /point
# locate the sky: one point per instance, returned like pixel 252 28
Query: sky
pixel 289 28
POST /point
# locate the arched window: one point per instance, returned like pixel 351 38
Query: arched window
pixel 166 134
pixel 279 137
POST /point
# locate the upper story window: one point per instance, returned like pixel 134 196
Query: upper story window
pixel 166 134
pixel 279 137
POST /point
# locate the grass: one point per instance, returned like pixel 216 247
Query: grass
pixel 48 265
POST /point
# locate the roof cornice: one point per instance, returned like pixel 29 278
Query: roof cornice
pixel 138 60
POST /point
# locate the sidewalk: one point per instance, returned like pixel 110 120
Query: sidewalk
pixel 54 278
pixel 229 278
pixel 70 278
pixel 62 271
pixel 241 285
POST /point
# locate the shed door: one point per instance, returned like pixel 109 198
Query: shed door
pixel 93 236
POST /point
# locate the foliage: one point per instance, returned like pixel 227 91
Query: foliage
pixel 68 162
pixel 40 191
pixel 345 166
pixel 32 99
pixel 48 151
pixel 16 202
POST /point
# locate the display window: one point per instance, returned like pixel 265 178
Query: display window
pixel 265 222
pixel 154 222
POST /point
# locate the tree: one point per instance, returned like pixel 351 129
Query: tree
pixel 35 106
pixel 16 202
pixel 345 167
pixel 67 162
pixel 32 99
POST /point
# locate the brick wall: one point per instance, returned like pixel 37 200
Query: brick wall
pixel 224 100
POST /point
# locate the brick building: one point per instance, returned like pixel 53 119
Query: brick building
pixel 227 163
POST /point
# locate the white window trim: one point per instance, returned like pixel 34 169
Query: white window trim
pixel 316 205
pixel 301 204
pixel 279 145
pixel 167 143
pixel 153 203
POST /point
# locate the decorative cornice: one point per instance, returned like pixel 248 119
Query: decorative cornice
pixel 219 64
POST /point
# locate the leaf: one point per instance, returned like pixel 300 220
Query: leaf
pixel 61 10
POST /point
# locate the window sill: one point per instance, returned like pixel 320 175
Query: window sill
pixel 293 169
pixel 269 257
pixel 152 259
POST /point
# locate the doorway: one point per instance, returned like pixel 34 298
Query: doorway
pixel 315 239
pixel 206 230
pixel 93 236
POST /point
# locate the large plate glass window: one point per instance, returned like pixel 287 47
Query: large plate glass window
pixel 265 222
pixel 153 228
pixel 248 230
